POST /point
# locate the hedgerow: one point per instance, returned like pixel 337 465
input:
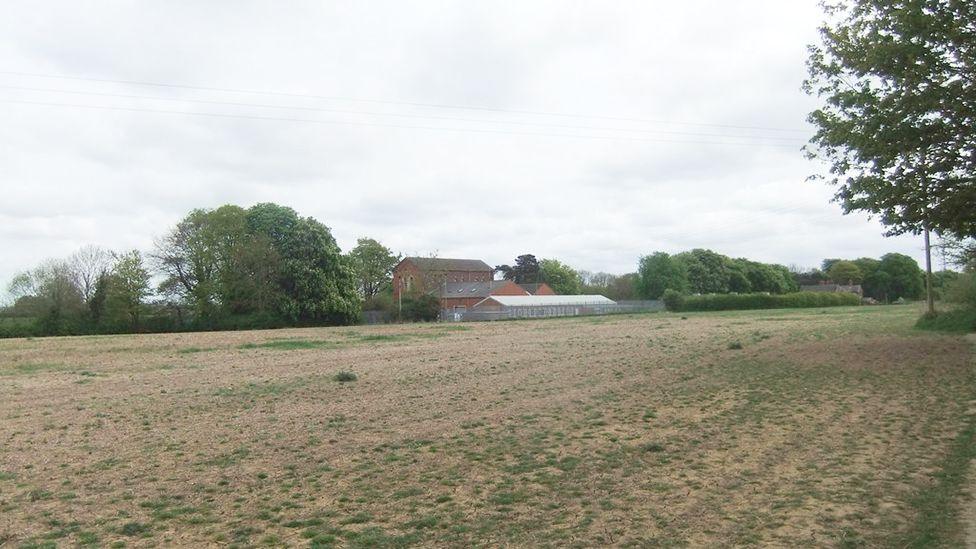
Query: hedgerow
pixel 730 302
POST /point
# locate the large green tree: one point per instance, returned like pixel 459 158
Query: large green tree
pixel 659 272
pixel 373 265
pixel 899 87
pixel 845 272
pixel 708 272
pixel 562 278
pixel 316 283
pixel 128 287
pixel 196 251
pixel 525 270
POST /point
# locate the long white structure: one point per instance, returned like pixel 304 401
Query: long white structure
pixel 544 300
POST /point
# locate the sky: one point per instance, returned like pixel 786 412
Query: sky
pixel 590 132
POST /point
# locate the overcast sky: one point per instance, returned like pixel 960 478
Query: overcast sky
pixel 592 132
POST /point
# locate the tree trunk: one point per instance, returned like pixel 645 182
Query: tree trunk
pixel 928 274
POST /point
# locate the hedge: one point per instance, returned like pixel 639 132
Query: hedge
pixel 729 302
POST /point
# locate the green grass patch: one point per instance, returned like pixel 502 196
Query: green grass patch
pixel 937 524
pixel 192 350
pixel 959 321
pixel 290 344
pixel 34 368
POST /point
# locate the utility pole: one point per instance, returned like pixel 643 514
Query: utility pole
pixel 928 273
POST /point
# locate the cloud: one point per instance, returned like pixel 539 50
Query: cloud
pixel 624 163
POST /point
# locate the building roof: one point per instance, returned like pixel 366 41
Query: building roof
pixel 448 264
pixel 548 300
pixel 471 289
pixel 533 288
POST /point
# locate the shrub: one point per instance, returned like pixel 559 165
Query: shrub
pixel 345 377
pixel 961 320
pixel 421 307
pixel 672 299
pixel 962 290
pixel 728 302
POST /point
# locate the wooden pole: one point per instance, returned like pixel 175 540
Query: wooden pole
pixel 928 274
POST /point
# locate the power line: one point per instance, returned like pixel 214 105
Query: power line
pixel 402 103
pixel 381 125
pixel 400 115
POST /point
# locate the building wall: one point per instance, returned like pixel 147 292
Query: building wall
pixel 509 288
pixel 408 276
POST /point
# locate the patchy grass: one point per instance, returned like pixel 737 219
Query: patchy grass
pixel 840 427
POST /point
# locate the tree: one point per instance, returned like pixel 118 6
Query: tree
pixel 659 272
pixel 845 272
pixel 902 276
pixel 316 283
pixel 128 286
pixel 762 277
pixel 373 265
pixel 525 271
pixel 708 272
pixel 560 277
pixel 88 265
pixel 193 254
pixel 623 287
pixel 900 95
pixel 48 293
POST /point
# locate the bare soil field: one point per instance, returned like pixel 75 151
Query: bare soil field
pixel 814 428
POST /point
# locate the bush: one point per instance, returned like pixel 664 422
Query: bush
pixel 344 377
pixel 961 320
pixel 729 302
pixel 672 299
pixel 421 308
pixel 962 290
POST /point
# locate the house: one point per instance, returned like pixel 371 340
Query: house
pixel 538 289
pixel 833 288
pixel 461 296
pixel 435 274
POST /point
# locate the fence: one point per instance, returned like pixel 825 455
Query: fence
pixel 549 311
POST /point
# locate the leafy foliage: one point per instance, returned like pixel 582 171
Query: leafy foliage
pixel 525 271
pixel 659 272
pixel 704 271
pixel 560 277
pixel 729 302
pixel 845 272
pixel 420 307
pixel 373 265
pixel 900 98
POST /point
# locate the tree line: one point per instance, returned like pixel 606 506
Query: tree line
pixel 266 266
pixel 229 267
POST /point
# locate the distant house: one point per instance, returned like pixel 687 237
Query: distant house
pixel 538 289
pixel 444 276
pixel 833 288
pixel 461 296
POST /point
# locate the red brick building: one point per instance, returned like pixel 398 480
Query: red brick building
pixel 459 283
pixel 460 296
pixel 429 274
pixel 538 289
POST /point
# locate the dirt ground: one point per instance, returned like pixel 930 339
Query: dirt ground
pixel 768 427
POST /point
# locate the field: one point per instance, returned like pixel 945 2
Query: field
pixel 816 427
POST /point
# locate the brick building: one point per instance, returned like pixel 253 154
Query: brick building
pixel 538 289
pixel 430 274
pixel 460 296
